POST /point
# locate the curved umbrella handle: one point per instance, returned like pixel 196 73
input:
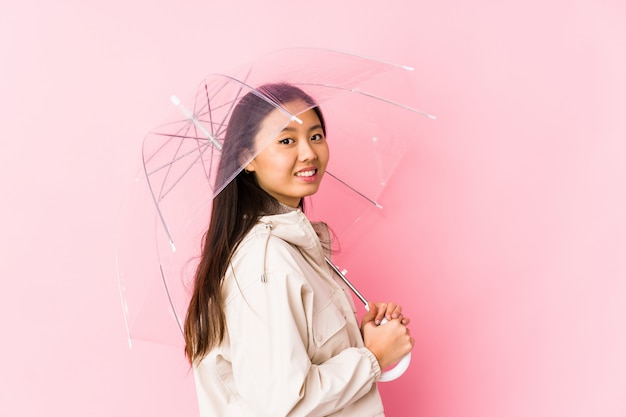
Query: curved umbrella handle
pixel 398 370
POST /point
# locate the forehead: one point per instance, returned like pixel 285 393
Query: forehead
pixel 276 121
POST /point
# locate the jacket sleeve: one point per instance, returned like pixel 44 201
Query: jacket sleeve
pixel 269 341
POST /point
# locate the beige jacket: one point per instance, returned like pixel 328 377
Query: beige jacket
pixel 293 345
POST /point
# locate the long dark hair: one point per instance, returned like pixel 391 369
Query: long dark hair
pixel 236 209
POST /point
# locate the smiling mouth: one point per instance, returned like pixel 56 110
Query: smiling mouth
pixel 308 173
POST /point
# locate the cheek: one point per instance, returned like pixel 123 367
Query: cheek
pixel 325 156
pixel 276 167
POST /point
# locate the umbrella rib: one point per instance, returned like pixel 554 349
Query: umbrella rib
pixel 208 104
pixel 169 167
pixel 204 168
pixel 207 107
pixel 164 193
pixel 169 299
pixel 147 161
pixel 364 93
pixel 374 202
pixel 196 122
pixel 218 91
pixel 395 103
pixel 179 136
pixel 158 209
pixel 120 288
pixel 231 107
pixel 221 124
pixel 176 135
pixel 267 99
pixel 217 131
pixel 177 158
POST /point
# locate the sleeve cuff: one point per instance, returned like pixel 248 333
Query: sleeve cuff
pixel 375 365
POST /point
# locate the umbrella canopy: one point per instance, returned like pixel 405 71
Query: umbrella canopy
pixel 370 111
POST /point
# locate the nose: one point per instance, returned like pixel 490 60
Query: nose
pixel 306 151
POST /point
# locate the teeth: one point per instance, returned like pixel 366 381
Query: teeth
pixel 305 173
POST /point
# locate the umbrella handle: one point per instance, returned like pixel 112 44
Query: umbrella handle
pixel 398 370
pixel 401 366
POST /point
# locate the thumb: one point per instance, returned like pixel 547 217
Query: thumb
pixel 370 316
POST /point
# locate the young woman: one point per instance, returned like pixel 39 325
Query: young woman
pixel 270 331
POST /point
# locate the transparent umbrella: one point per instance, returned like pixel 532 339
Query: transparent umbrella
pixel 370 111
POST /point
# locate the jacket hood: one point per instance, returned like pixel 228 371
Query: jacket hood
pixel 293 227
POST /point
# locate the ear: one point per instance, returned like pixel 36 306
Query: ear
pixel 250 167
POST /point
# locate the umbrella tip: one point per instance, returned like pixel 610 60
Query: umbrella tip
pixel 175 100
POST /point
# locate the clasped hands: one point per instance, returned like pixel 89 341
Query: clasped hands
pixel 390 341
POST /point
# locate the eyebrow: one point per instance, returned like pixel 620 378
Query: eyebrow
pixel 293 129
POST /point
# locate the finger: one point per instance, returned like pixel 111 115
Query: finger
pixel 396 313
pixel 392 311
pixel 384 311
pixel 380 314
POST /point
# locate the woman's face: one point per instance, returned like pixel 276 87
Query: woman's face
pixel 292 165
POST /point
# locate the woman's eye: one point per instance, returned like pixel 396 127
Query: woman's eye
pixel 317 137
pixel 286 141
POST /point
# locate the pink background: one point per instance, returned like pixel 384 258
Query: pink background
pixel 507 220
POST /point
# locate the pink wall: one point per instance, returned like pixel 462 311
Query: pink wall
pixel 510 250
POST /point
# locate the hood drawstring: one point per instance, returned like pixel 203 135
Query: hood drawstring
pixel 268 226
